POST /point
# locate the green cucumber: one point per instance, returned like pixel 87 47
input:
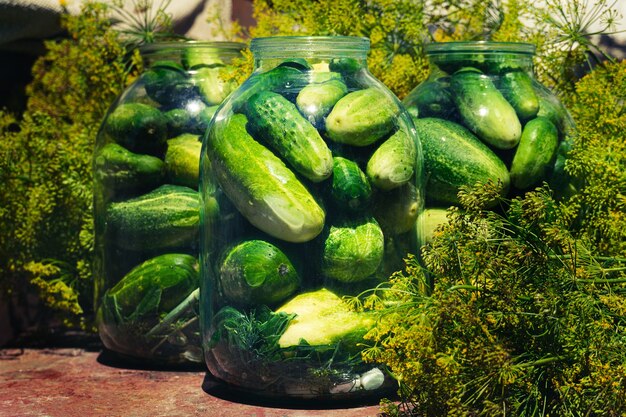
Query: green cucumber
pixel 262 189
pixel 121 170
pixel 484 109
pixel 152 288
pixel 350 187
pixel 396 210
pixel 517 88
pixel 193 118
pixel 167 217
pixel 454 157
pixel 138 127
pixel 256 272
pixel 431 99
pixel 353 250
pixel 275 120
pixel 167 83
pixel 393 163
pixel 213 84
pixel 194 58
pixel 430 220
pixel 535 152
pixel 182 160
pixel 322 318
pixel 317 99
pixel 362 117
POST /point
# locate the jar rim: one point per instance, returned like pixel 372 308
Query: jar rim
pixel 222 46
pixel 523 48
pixel 280 46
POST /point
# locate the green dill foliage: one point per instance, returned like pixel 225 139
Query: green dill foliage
pixel 599 108
pixel 45 164
pixel 521 311
pixel 395 28
pixel 523 318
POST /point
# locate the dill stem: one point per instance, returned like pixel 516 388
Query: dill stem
pixel 541 362
pixel 175 313
pixel 603 281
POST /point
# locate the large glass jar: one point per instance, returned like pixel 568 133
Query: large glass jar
pixel 310 188
pixel 482 115
pixel 146 201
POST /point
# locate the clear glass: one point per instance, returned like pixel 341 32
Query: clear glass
pixel 146 201
pixel 482 115
pixel 311 185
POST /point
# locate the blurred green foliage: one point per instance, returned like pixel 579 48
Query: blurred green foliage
pixel 46 234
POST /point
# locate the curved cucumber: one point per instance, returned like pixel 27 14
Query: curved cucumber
pixel 484 109
pixel 393 163
pixel 156 286
pixel 121 170
pixel 361 117
pixel 317 99
pixel 517 88
pixel 454 157
pixel 535 152
pixel 262 189
pixel 276 121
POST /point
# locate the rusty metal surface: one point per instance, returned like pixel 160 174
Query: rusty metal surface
pixel 72 382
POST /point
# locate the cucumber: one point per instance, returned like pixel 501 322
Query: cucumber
pixel 167 217
pixel 454 157
pixel 168 83
pixel 350 187
pixel 122 171
pixel 193 118
pixel 535 152
pixel 517 88
pixel 431 99
pixel 262 189
pixel 213 84
pixel 194 58
pixel 182 160
pixel 393 163
pixel 362 117
pixel 353 250
pixel 138 127
pixel 155 286
pixel 553 109
pixel 276 121
pixel 397 210
pixel 256 272
pixel 430 220
pixel 317 99
pixel 484 109
pixel 322 318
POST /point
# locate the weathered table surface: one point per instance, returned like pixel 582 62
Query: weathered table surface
pixel 72 382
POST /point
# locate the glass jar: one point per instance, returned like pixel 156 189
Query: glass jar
pixel 146 201
pixel 481 115
pixel 310 186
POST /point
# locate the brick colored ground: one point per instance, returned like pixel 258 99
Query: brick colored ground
pixel 74 382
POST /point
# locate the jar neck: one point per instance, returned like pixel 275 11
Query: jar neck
pixel 211 52
pixel 493 56
pixel 272 51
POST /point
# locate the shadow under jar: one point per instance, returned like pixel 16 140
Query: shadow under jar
pixel 310 186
